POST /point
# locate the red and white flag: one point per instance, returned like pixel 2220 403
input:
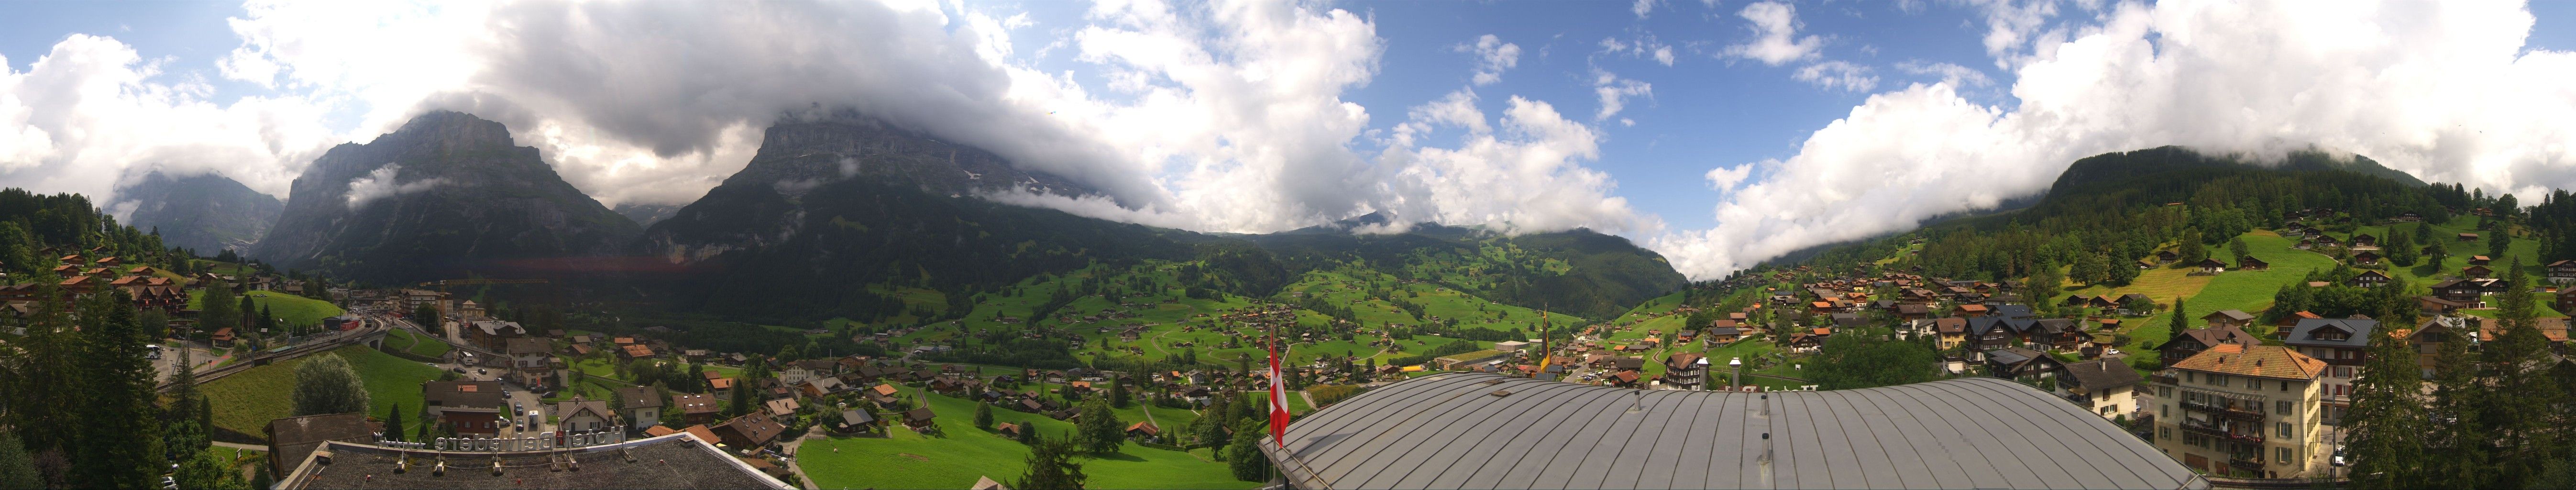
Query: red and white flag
pixel 1278 399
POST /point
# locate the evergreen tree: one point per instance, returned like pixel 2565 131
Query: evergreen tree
pixel 119 438
pixel 394 422
pixel 2237 247
pixel 2439 252
pixel 1118 393
pixel 2499 242
pixel 2384 430
pixel 17 466
pixel 326 384
pixel 2524 411
pixel 2042 286
pixel 740 402
pixel 2181 319
pixel 1099 429
pixel 2457 446
pixel 1051 466
pixel 217 308
pixel 983 415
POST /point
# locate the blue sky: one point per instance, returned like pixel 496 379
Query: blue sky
pixel 1207 139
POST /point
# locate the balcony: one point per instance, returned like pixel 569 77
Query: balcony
pixel 2224 431
pixel 2247 462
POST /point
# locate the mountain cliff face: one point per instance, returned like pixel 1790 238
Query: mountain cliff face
pixel 765 203
pixel 446 194
pixel 204 212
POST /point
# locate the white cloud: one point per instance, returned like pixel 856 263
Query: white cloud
pixel 1953 74
pixel 1643 8
pixel 1525 177
pixel 2446 91
pixel 384 182
pixel 1724 179
pixel 1776 40
pixel 92 112
pixel 1614 92
pixel 1838 75
pixel 1643 45
pixel 1493 56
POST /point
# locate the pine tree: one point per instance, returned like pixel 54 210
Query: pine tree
pixel 983 415
pixel 394 423
pixel 2181 319
pixel 1051 466
pixel 2385 428
pixel 2457 444
pixel 1118 393
pixel 119 434
pixel 17 466
pixel 2042 285
pixel 2525 409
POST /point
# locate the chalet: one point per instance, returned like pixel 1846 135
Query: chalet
pixel 2293 319
pixel 2212 266
pixel 2166 257
pixel 2078 301
pixel 2478 271
pixel 1685 370
pixel 799 371
pixel 580 415
pixel 2435 305
pixel 2327 241
pixel 2019 364
pixel 469 407
pixel 2059 334
pixel 2458 290
pixel 695 408
pixel 2228 318
pixel 2365 240
pixel 919 418
pixel 2103 301
pixel 859 419
pixel 2366 257
pixel 643 406
pixel 1913 311
pixel 2102 386
pixel 2566 299
pixel 2368 279
pixel 783 407
pixel 2187 343
pixel 2563 271
pixel 1144 431
pixel 1724 335
pixel 2480 260
pixel 1970 310
pixel 2343 344
pixel 2249 263
pixel 1950 332
pixel 2468 237
pixel 749 431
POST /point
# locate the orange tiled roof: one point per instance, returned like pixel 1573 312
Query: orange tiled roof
pixel 2264 361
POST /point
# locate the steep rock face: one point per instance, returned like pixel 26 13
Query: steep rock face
pixel 204 212
pixel 446 194
pixel 647 214
pixel 764 204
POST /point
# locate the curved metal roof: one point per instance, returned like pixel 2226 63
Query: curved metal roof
pixel 1452 431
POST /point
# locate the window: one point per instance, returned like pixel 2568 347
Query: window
pixel 2281 429
pixel 2190 377
pixel 2281 406
pixel 2285 386
pixel 2164 410
pixel 2164 433
pixel 2216 379
pixel 2283 455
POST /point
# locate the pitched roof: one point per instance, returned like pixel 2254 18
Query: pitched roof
pixel 1972 432
pixel 2262 361
pixel 2237 315
pixel 2102 374
pixel 640 397
pixel 529 345
pixel 2356 332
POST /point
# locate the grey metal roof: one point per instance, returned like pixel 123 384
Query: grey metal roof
pixel 2359 330
pixel 1451 431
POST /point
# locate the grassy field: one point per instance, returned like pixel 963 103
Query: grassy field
pixel 420 345
pixel 909 460
pixel 246 401
pixel 292 309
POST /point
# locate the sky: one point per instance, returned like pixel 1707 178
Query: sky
pixel 1717 133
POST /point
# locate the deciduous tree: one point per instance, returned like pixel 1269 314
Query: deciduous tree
pixel 326 384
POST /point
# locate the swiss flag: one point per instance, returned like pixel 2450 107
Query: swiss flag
pixel 1278 400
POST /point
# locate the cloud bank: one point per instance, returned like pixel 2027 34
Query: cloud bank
pixel 1216 117
pixel 2443 90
